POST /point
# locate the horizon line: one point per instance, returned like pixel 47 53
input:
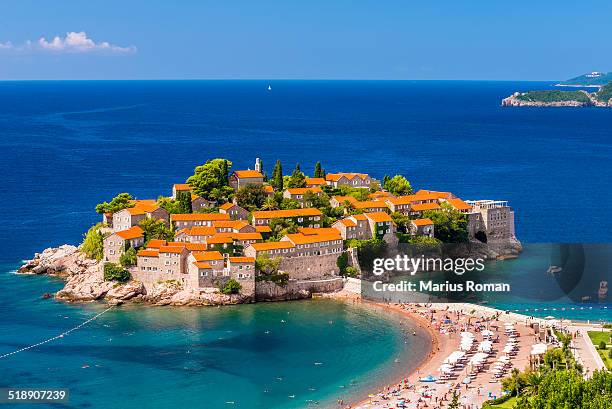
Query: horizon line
pixel 266 79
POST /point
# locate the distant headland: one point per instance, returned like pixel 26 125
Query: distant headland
pixel 556 98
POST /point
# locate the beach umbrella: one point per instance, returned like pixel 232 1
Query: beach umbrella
pixel 487 333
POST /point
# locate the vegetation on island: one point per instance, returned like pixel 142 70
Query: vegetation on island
pixel 231 287
pixel 93 242
pixel 113 272
pixel 450 225
pixel 128 258
pixel 268 269
pixel 156 230
pixel 601 78
pixel 605 93
pixel 251 197
pixel 397 185
pixel 554 96
pixel 119 202
pixel 211 180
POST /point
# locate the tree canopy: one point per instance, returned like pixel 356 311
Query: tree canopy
pixel 251 196
pixel 297 178
pixel 277 177
pixel 119 202
pixel 211 180
pixel 450 225
pixel 398 185
pixel 156 230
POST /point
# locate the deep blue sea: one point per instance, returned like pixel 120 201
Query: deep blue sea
pixel 69 145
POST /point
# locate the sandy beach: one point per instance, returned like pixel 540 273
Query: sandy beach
pixel 445 324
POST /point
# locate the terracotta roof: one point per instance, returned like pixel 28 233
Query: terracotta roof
pixel 315 181
pixel 135 211
pixel 342 199
pixel 302 190
pixel 242 236
pixel 299 238
pixel 272 245
pixel 181 187
pixel 313 230
pixel 148 253
pixel 459 204
pixel 218 239
pixel 235 224
pixel 278 214
pixel 334 177
pixel 378 217
pixel 248 174
pixel 131 233
pixel 155 243
pixel 380 194
pixel 263 229
pixel 438 195
pixel 422 222
pixel 207 255
pixel 424 206
pixel 202 264
pixel 359 217
pixel 172 249
pixel 242 259
pixel 198 231
pixel 268 189
pixel 347 222
pixel 198 216
pixel 402 200
pixel 370 204
pixel 196 246
pixel 227 206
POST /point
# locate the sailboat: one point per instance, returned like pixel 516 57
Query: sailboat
pixel 269 87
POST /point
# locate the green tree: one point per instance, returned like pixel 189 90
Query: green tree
pixel 532 383
pixel 288 204
pixel 264 264
pixel 270 204
pixel 231 287
pixel 277 177
pixel 128 258
pixel 184 201
pixel 251 196
pixel 450 225
pixel 603 345
pixel 342 262
pixel 351 271
pixel 297 179
pixel 119 202
pixel 171 205
pixel 318 172
pixel 210 179
pixel 93 242
pixel 280 227
pixel 398 185
pixel 402 221
pixel 156 230
pixel 113 272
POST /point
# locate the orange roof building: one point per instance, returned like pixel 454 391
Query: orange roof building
pixel 305 216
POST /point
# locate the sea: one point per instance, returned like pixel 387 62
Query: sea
pixel 68 145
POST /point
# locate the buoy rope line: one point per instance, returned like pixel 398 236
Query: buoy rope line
pixel 62 335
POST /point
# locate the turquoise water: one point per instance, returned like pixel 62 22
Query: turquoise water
pixel 257 356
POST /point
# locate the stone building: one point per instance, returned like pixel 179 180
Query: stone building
pixel 234 211
pixel 422 227
pixel 241 178
pixel 303 217
pixel 493 217
pixel 116 243
pixel 360 180
pixel 182 221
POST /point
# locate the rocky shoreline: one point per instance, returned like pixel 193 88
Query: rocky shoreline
pixel 515 101
pixel 85 283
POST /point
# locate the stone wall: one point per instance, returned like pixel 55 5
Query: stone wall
pixel 150 278
pixel 296 289
pixel 310 267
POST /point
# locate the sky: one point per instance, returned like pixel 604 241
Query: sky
pixel 409 39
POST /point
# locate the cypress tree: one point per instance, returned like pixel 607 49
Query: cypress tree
pixel 277 177
pixel 318 172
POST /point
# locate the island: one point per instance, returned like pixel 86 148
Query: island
pixel 592 79
pixel 555 98
pixel 238 236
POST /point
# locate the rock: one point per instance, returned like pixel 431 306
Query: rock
pixel 54 261
pixel 123 292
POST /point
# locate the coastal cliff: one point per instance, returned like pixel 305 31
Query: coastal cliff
pixel 85 282
pixel 555 98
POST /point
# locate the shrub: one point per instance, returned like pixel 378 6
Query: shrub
pixel 351 271
pixel 128 258
pixel 231 287
pixel 342 262
pixel 113 272
pixel 93 242
pixel 603 345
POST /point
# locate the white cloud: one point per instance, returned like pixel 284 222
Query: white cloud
pixel 73 42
